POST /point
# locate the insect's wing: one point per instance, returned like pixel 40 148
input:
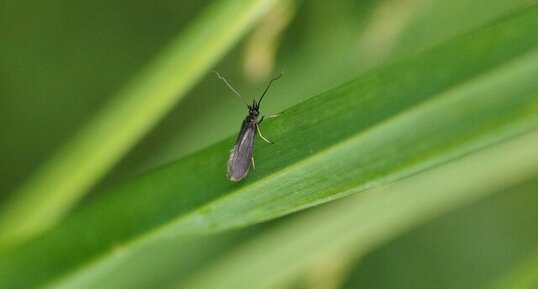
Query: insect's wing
pixel 241 155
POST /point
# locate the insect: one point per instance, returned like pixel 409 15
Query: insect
pixel 241 155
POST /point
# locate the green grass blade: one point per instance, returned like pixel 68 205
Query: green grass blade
pixel 59 184
pixel 391 123
pixel 360 223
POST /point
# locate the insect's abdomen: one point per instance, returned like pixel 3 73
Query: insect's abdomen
pixel 241 155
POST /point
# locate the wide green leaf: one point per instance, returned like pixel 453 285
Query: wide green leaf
pixel 390 123
pixel 61 182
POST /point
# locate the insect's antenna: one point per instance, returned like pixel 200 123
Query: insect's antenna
pixel 235 91
pixel 269 85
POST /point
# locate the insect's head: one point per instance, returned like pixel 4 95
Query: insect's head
pixel 254 108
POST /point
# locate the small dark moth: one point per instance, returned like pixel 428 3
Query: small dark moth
pixel 241 155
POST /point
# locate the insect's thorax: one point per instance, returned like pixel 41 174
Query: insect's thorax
pixel 251 118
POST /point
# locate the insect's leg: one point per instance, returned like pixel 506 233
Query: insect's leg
pixel 267 116
pixel 253 165
pixel 260 133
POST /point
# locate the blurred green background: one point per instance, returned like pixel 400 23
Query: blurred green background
pixel 61 61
